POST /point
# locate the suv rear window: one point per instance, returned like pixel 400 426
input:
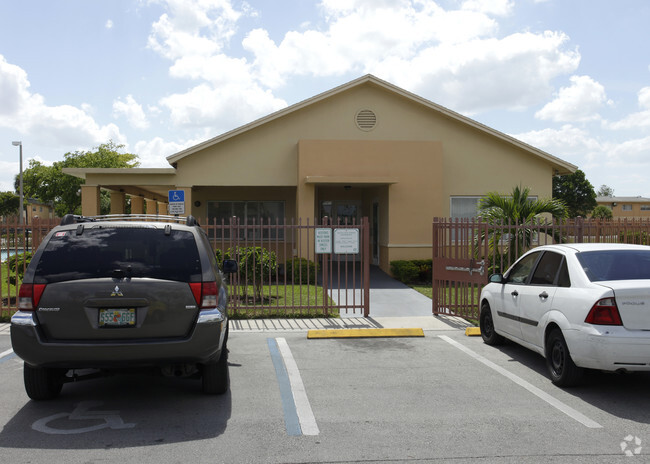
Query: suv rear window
pixel 119 252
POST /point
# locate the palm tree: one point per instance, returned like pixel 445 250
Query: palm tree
pixel 515 217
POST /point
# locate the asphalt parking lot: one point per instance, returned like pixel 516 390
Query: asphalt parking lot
pixel 444 397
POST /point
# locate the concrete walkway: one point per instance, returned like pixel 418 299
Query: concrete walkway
pixel 388 297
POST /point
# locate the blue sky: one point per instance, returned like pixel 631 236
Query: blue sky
pixel 571 77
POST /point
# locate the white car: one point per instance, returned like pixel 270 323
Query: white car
pixel 581 306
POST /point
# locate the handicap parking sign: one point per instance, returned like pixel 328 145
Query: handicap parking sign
pixel 176 196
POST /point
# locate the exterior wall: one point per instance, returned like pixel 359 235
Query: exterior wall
pixel 37 210
pixel 616 204
pixel 412 172
pixel 203 195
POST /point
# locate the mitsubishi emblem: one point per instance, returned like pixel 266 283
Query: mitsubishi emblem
pixel 117 291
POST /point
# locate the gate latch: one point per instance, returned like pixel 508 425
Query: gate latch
pixel 471 269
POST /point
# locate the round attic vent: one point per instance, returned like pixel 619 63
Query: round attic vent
pixel 366 120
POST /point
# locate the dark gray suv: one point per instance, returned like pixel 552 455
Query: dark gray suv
pixel 109 294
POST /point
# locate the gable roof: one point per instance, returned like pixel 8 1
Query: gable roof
pixel 563 167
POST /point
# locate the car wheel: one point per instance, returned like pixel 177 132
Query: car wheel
pixel 216 378
pixel 490 336
pixel 563 371
pixel 42 383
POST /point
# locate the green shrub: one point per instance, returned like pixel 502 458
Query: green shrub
pixel 255 264
pixel 635 237
pixel 425 273
pixel 404 271
pixel 301 271
pixel 16 265
pixel 602 212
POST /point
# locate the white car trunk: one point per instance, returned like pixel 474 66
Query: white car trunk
pixel 633 301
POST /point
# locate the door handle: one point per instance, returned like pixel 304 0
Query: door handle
pixel 543 295
pixel 515 293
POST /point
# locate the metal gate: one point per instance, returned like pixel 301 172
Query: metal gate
pixel 459 267
pixel 287 275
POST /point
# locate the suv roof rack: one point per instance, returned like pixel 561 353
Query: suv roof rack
pixel 77 219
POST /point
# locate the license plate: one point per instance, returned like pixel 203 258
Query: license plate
pixel 117 317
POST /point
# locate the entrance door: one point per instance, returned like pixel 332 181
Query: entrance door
pixel 347 212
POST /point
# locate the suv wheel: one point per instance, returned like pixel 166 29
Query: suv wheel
pixel 42 383
pixel 216 378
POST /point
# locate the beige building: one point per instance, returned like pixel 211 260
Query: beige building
pixel 366 148
pixel 626 207
pixel 36 209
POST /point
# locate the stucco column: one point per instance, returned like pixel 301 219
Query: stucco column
pixel 188 201
pixel 117 202
pixel 305 201
pixel 90 200
pixel 162 208
pixel 152 206
pixel 137 205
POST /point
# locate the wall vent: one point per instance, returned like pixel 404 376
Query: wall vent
pixel 366 120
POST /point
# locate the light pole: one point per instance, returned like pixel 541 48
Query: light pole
pixel 20 216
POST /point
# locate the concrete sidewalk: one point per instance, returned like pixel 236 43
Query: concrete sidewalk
pixel 425 323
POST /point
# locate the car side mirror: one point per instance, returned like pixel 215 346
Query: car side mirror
pixel 497 279
pixel 229 266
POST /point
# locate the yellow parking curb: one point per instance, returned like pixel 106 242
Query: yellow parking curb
pixel 472 331
pixel 364 333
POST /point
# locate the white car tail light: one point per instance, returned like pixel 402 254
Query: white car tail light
pixel 604 312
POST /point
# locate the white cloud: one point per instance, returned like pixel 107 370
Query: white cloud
pixel 568 142
pixel 495 7
pixel 153 153
pixel 53 126
pixel 223 107
pixel 454 57
pixel 640 119
pixel 578 103
pixel 513 72
pixel 193 28
pixel 132 110
pixel 109 24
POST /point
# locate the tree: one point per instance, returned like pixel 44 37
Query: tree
pixel 515 212
pixel 9 203
pixel 602 212
pixel 605 191
pixel 49 183
pixel 576 192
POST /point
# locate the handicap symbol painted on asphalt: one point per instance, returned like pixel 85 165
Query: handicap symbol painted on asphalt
pixel 110 420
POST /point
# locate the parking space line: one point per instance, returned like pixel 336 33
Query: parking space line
pixel 298 416
pixel 6 355
pixel 303 408
pixel 569 411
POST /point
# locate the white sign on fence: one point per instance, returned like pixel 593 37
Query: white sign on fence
pixel 323 239
pixel 346 241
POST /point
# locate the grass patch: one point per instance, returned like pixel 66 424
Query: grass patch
pixel 292 301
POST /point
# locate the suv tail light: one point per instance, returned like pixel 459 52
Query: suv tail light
pixel 604 312
pixel 29 296
pixel 206 294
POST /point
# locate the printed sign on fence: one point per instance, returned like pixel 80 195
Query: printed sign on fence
pixel 346 241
